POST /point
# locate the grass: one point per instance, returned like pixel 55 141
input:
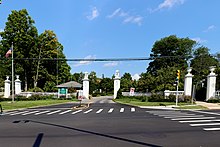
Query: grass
pixel 135 102
pixel 28 104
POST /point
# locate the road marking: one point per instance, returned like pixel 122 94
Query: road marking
pixel 7 113
pixel 29 113
pixel 99 111
pixel 195 121
pixel 208 124
pixel 19 113
pixel 110 110
pixel 184 116
pixel 205 112
pixel 88 111
pixel 76 111
pixel 65 112
pixel 132 109
pixel 41 112
pixel 122 110
pixel 196 118
pixel 211 129
pixel 53 112
pixel 176 115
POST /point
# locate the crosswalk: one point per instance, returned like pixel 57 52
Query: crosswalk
pixel 208 123
pixel 69 111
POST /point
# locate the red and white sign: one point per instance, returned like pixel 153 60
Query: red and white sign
pixel 132 91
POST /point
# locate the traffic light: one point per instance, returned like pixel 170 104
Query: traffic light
pixel 178 74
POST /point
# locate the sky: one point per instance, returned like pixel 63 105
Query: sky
pixel 97 29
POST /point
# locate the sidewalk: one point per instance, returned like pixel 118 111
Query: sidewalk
pixel 208 105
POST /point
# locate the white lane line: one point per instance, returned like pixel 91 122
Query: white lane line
pixel 211 129
pixel 29 113
pixel 196 121
pixel 19 113
pixel 132 109
pixel 110 110
pixel 122 110
pixel 88 111
pixel 195 118
pixel 207 124
pixel 41 112
pixel 64 112
pixel 184 116
pixel 76 111
pixel 53 112
pixel 99 111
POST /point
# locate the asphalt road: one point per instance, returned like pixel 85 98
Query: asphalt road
pixel 108 125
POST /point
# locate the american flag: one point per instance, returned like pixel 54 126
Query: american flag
pixel 9 52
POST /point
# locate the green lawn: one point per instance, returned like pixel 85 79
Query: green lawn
pixel 28 104
pixel 135 102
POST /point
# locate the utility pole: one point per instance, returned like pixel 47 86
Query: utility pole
pixel 12 71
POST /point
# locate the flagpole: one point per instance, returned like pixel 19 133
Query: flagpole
pixel 12 72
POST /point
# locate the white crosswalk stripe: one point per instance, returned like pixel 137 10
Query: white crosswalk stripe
pixel 122 110
pixel 99 111
pixel 42 112
pixel 37 112
pixel 198 121
pixel 53 112
pixel 88 111
pixel 111 110
pixel 18 113
pixel 29 113
pixel 132 109
pixel 194 120
pixel 75 112
pixel 65 112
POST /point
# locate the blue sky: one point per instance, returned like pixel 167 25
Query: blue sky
pixel 119 28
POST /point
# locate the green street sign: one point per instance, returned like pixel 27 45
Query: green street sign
pixel 62 90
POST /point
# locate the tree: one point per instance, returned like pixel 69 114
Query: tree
pixel 20 31
pixel 107 85
pixel 201 62
pixel 126 82
pixel 93 85
pixel 170 52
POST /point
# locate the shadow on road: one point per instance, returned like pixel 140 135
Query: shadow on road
pixel 38 140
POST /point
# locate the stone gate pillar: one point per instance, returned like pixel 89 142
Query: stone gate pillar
pixel 7 87
pixel 17 85
pixel 86 86
pixel 116 83
pixel 211 83
pixel 188 83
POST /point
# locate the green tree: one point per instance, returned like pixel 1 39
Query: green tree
pixel 93 82
pixel 20 31
pixel 78 77
pixel 170 51
pixel 126 82
pixel 201 62
pixel 107 85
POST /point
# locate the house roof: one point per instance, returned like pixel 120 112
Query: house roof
pixel 70 84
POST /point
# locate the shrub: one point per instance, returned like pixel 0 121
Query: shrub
pixel 119 94
pixel 213 100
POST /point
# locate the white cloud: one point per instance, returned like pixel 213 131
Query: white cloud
pixel 210 28
pixel 127 18
pixel 111 64
pixel 136 77
pixel 94 14
pixel 81 63
pixel 116 12
pixel 199 40
pixel 167 4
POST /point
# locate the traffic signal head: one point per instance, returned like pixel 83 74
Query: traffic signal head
pixel 178 74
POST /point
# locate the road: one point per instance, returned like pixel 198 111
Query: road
pixel 105 124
